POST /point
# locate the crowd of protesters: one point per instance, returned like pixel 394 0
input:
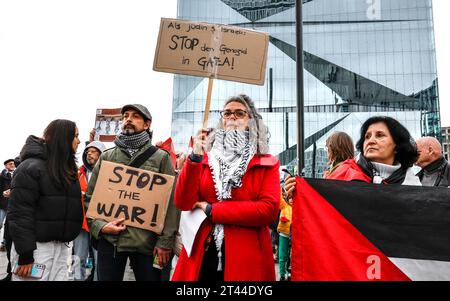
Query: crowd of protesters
pixel 229 175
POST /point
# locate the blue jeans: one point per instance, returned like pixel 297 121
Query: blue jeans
pixel 95 267
pixel 81 251
pixel 2 217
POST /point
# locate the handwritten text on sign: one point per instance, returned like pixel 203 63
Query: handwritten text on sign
pixel 211 50
pixel 140 196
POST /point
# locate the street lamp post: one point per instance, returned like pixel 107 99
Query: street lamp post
pixel 300 93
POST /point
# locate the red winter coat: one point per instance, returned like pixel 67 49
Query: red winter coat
pixel 246 218
pixel 349 170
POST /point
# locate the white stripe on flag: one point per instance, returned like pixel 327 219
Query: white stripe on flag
pixel 423 270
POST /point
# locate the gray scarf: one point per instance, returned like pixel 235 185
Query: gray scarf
pixel 228 159
pixel 132 143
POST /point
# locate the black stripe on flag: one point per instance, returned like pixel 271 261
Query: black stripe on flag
pixel 402 221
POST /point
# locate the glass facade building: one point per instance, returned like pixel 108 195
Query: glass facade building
pixel 446 142
pixel 361 58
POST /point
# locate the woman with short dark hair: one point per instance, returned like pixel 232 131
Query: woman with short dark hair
pixel 405 151
pixel 45 212
pixel 387 156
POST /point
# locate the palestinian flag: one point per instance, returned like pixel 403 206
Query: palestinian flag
pixel 357 231
pixel 168 146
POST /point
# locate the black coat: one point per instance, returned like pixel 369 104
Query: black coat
pixel 38 210
pixel 440 167
pixel 5 184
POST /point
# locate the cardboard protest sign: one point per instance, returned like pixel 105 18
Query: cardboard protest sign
pixel 212 50
pixel 107 124
pixel 140 196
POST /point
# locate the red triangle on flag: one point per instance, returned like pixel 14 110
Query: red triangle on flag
pixel 169 147
pixel 327 247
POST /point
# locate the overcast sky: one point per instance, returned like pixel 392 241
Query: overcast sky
pixel 65 59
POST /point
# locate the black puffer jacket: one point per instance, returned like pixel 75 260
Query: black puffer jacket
pixel 38 211
pixel 5 184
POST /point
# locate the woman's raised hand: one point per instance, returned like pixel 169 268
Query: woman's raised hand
pixel 199 142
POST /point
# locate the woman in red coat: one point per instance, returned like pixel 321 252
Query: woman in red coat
pixel 387 153
pixel 230 176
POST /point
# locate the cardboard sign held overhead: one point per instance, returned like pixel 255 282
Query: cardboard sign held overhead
pixel 108 123
pixel 140 196
pixel 212 50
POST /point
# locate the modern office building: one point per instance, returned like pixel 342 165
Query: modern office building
pixel 315 163
pixel 361 58
pixel 446 142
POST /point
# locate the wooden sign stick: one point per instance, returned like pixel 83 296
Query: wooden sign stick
pixel 208 103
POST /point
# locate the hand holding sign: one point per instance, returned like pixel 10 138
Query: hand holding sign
pixel 199 144
pixel 114 227
pixel 92 135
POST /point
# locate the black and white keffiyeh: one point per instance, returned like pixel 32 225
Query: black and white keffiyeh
pixel 132 143
pixel 228 160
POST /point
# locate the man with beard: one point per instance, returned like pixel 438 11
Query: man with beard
pixel 81 244
pixel 116 242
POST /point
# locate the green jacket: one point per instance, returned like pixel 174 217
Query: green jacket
pixel 134 239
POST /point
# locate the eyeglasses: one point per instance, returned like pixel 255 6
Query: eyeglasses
pixel 239 114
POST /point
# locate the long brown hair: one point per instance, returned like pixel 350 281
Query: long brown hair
pixel 340 147
pixel 61 161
